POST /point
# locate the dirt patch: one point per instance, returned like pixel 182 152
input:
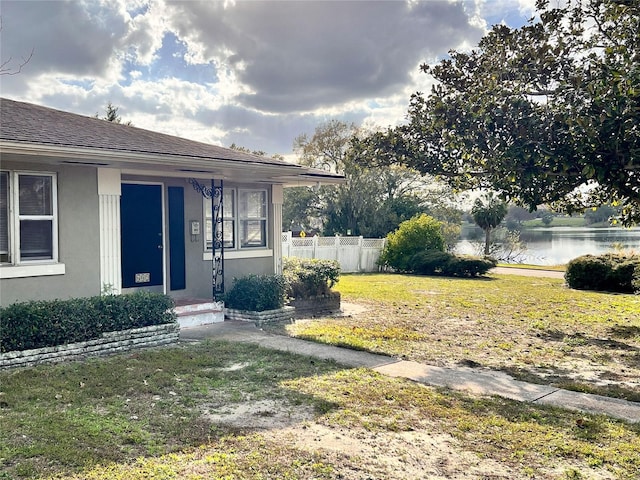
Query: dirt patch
pixel 263 414
pixel 362 454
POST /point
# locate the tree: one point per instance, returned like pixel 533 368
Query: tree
pixel 516 215
pixel 111 115
pixel 600 214
pixel 488 211
pixel 9 66
pixel 301 208
pixel 543 114
pixel 372 201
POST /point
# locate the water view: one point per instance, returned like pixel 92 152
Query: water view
pixel 558 245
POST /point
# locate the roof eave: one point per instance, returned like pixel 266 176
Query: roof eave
pixel 101 157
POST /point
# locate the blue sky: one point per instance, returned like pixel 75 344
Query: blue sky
pixel 253 73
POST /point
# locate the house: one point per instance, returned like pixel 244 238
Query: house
pixel 89 206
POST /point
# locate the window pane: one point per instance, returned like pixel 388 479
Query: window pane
pixel 36 239
pixel 227 206
pixel 228 234
pixel 4 216
pixel 208 232
pixel 253 233
pixel 253 204
pixel 35 195
pixel 229 223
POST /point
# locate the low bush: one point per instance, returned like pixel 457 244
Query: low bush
pixel 413 236
pixel 257 293
pixel 612 272
pixel 434 262
pixel 307 278
pixel 38 324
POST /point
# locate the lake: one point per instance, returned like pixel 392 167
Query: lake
pixel 558 245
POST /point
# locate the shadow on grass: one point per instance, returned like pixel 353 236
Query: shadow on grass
pixel 560 378
pixel 68 417
pixel 628 331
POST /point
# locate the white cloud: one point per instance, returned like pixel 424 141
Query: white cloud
pixel 254 73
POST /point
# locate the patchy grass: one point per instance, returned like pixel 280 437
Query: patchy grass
pixel 532 327
pixel 100 411
pixel 160 414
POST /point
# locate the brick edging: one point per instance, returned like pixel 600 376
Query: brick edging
pixel 109 342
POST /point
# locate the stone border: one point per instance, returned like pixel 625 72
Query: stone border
pixel 284 314
pixel 109 342
pixel 318 306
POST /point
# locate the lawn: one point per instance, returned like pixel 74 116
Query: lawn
pixel 221 410
pixel 533 327
pixel 556 222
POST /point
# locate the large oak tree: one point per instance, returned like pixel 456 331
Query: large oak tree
pixel 548 113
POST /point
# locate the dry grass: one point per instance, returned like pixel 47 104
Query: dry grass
pixel 534 328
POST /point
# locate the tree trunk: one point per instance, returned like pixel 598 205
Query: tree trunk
pixel 487 241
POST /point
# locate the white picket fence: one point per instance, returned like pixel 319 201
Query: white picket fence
pixel 355 254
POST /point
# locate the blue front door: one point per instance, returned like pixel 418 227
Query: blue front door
pixel 141 230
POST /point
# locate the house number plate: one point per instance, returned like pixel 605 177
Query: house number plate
pixel 143 277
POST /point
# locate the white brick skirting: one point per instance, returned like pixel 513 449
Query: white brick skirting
pixel 110 342
pixel 284 314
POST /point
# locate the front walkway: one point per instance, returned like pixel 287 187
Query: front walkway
pixel 527 272
pixel 475 381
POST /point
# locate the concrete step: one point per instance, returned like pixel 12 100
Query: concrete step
pixel 196 312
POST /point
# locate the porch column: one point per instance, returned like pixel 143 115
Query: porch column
pixel 109 191
pixel 277 197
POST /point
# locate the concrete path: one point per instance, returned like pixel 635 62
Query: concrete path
pixel 527 272
pixel 475 381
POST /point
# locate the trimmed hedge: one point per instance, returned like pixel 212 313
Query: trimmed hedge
pixel 306 278
pixel 611 272
pixel 38 324
pixel 257 293
pixel 434 262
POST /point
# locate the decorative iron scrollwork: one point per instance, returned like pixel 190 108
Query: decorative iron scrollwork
pixel 215 192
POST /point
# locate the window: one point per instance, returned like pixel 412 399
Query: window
pixel 28 218
pixel 228 207
pixel 253 218
pixel 244 217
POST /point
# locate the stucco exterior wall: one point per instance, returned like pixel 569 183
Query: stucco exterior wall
pixel 78 239
pixel 198 270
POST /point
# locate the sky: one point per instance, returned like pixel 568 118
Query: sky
pixel 254 73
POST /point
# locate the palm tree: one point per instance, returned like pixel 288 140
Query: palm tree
pixel 488 211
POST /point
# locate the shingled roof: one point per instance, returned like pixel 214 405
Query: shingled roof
pixel 29 125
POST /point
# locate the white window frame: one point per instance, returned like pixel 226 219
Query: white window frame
pixel 228 215
pixel 264 218
pixel 237 251
pixel 16 266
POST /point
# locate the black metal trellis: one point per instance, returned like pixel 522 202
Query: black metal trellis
pixel 215 192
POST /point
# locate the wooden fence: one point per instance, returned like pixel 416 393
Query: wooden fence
pixel 355 254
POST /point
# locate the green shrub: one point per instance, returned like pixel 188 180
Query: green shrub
pixel 307 277
pixel 469 266
pixel 38 324
pixel 433 262
pixel 612 272
pixel 430 262
pixel 413 236
pixel 257 293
